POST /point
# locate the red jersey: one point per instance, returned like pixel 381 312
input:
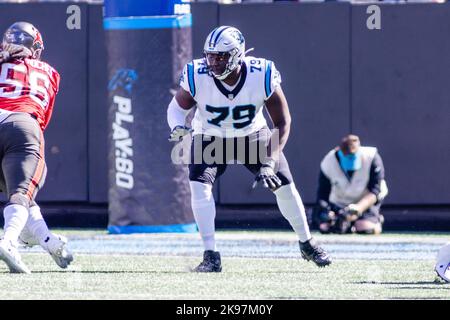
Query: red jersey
pixel 29 86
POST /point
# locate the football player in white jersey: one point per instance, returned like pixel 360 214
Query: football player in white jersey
pixel 230 91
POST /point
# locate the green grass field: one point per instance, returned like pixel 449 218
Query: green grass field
pixel 256 265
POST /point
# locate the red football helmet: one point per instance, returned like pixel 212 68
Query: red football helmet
pixel 27 35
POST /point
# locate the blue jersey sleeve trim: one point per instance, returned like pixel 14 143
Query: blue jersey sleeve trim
pixel 190 70
pixel 174 228
pixel 268 78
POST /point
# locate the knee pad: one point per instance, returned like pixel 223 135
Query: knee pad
pixel 20 199
pixel 204 174
pixel 201 194
pixel 286 192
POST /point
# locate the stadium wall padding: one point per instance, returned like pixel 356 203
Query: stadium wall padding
pixel 313 60
pixel 98 108
pixel 66 148
pixel 388 86
pixel 205 19
pixel 401 98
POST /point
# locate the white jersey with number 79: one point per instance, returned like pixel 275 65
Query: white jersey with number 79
pixel 226 111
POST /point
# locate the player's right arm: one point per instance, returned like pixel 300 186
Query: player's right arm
pixel 180 106
pixel 184 99
pixel 373 186
pixel 9 51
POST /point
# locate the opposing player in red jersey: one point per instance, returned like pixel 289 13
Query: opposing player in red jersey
pixel 28 87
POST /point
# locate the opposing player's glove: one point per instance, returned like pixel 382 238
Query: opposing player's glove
pixel 11 51
pixel 267 177
pixel 178 133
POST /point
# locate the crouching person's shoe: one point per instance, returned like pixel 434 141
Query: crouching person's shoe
pixel 211 262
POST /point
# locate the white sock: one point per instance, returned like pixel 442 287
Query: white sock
pixel 291 206
pixel 204 209
pixel 16 217
pixel 37 226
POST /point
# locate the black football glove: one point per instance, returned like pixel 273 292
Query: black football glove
pixel 267 176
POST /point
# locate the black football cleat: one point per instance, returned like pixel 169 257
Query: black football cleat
pixel 311 251
pixel 211 262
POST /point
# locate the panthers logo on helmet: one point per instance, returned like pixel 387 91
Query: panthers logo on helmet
pixel 225 39
pixel 236 34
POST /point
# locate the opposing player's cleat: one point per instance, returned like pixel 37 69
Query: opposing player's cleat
pixel 311 251
pixel 211 262
pixel 56 246
pixel 26 239
pixel 442 266
pixel 443 272
pixel 11 256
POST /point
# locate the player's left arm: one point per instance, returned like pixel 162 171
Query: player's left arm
pixel 278 109
pixel 55 80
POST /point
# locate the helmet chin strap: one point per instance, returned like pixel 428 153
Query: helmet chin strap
pixel 226 73
pixel 223 76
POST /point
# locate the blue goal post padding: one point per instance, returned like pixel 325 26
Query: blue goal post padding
pixel 128 8
pixel 159 22
pixel 174 228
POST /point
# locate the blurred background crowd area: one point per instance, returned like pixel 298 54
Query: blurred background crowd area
pixel 250 1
